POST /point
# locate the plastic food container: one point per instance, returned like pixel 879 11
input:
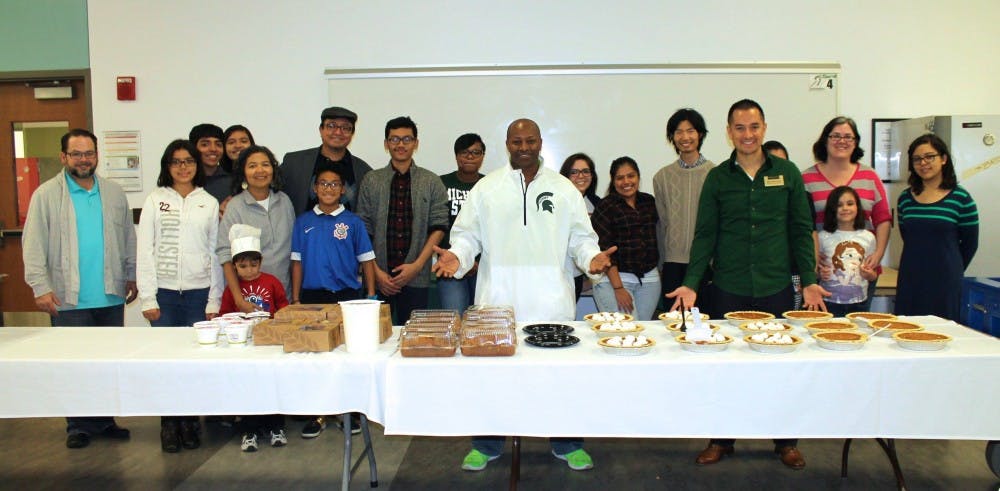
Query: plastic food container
pixel 427 339
pixel 488 338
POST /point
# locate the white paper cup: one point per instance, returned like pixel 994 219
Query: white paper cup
pixel 237 332
pixel 208 333
pixel 361 325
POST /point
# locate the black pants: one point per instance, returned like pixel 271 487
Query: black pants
pixel 326 296
pixel 671 277
pixel 113 316
pixel 407 300
pixel 775 304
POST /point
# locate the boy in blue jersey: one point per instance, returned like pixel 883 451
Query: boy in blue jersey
pixel 328 244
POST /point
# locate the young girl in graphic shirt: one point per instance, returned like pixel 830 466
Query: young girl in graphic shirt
pixel 845 243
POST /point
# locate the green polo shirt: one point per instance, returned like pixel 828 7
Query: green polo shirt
pixel 752 231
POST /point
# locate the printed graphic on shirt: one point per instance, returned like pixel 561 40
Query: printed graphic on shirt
pixel 457 198
pixel 258 296
pixel 168 248
pixel 340 231
pixel 543 202
pixel 847 281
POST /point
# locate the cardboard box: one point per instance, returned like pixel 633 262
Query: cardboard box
pixel 318 336
pixel 272 332
pixel 305 312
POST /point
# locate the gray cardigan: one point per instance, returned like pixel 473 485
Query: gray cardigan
pixel 429 200
pixel 50 248
pixel 275 226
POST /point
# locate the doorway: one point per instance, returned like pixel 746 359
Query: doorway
pixel 34 113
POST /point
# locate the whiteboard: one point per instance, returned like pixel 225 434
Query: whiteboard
pixel 606 111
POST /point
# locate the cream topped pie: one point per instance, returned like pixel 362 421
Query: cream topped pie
pixel 602 317
pixel 617 326
pixel 771 326
pixel 718 342
pixel 675 327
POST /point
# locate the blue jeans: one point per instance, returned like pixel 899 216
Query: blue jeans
pixel 493 445
pixel 180 308
pixel 645 296
pixel 457 294
pixel 104 316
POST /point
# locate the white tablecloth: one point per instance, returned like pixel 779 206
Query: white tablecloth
pixel 878 391
pixel 881 390
pixel 156 371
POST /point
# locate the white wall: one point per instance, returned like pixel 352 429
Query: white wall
pixel 261 63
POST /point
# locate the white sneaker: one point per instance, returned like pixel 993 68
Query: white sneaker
pixel 278 438
pixel 249 443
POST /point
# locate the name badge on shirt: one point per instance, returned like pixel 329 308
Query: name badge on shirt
pixel 770 181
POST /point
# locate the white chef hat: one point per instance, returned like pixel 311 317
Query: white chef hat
pixel 244 238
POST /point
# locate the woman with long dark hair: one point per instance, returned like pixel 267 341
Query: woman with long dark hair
pixel 626 218
pixel 939 224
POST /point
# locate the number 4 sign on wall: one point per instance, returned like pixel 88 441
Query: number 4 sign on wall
pixel 821 81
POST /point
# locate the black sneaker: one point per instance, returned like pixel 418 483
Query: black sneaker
pixel 313 428
pixel 170 438
pixel 77 440
pixel 117 432
pixel 355 423
pixel 189 435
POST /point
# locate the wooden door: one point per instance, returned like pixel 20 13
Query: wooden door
pixel 31 128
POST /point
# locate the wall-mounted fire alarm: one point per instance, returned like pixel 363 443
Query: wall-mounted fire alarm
pixel 126 88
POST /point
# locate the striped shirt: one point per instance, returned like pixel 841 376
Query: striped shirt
pixel 956 208
pixel 868 186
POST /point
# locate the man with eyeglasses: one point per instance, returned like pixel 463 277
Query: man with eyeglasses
pixel 79 256
pixel 677 188
pixel 405 209
pixel 336 130
pixel 753 224
pixel 458 294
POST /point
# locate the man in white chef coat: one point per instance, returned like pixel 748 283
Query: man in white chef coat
pixel 525 220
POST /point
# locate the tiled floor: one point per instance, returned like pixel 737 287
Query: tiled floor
pixel 33 456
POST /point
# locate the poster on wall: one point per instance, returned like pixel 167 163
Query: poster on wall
pixel 885 163
pixel 120 159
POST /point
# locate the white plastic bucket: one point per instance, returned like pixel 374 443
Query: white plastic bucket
pixel 361 325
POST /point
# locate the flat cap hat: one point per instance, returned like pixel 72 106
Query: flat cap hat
pixel 338 112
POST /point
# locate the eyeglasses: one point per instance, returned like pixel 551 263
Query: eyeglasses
pixel 843 138
pixel 343 128
pixel 581 172
pixel 471 153
pixel 329 184
pixel 406 139
pixel 189 162
pixel 79 155
pixel 928 157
